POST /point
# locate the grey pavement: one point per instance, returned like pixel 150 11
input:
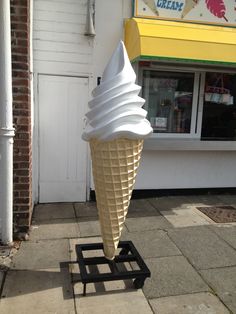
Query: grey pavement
pixel 191 258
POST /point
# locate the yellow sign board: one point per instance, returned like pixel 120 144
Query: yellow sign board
pixel 221 12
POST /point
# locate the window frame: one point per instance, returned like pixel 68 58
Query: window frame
pixel 195 129
pixel 198 97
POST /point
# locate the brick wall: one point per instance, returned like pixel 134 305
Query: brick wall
pixel 22 159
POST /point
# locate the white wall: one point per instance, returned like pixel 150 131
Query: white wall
pixel 109 24
pixel 60 46
pixel 186 169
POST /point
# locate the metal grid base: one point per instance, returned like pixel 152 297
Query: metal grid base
pixel 128 253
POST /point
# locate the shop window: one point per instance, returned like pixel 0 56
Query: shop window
pixel 169 101
pixel 219 108
pixel 200 105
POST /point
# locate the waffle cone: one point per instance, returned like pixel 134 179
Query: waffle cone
pixel 115 165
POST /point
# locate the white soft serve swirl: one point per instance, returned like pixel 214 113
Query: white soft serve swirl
pixel 116 109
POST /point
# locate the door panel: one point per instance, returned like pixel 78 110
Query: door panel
pixel 62 152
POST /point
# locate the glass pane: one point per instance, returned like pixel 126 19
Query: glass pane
pixel 169 97
pixel 219 110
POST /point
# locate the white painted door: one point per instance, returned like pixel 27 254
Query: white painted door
pixel 62 153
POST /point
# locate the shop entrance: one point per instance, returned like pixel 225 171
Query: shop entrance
pixel 62 152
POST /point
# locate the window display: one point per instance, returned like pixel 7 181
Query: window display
pixel 219 109
pixel 169 98
pixel 200 105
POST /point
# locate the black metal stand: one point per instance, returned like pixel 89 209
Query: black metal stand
pixel 128 253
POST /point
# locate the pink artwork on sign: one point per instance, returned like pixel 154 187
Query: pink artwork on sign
pixel 217 8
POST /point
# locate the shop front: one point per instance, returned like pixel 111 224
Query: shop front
pixel 184 53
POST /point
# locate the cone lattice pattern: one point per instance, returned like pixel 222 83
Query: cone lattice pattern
pixel 115 165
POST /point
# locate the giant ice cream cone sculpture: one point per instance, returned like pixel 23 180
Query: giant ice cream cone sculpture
pixel 116 127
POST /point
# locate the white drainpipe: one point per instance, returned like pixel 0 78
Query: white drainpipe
pixel 6 128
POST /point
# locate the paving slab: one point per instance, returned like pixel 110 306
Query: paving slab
pixel 37 291
pixel 204 200
pixel 181 211
pixel 141 208
pixel 203 247
pixel 186 217
pixel 74 242
pixel 167 203
pixel 89 228
pixel 146 223
pixel 41 254
pixel 198 303
pixel 114 303
pixel 228 199
pixel 226 232
pixel 223 282
pixel 53 211
pixel 172 276
pixel 154 243
pixel 87 209
pixel 54 229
